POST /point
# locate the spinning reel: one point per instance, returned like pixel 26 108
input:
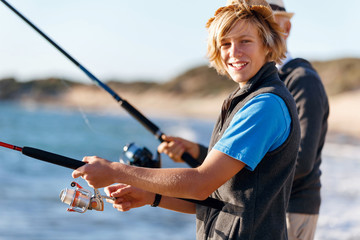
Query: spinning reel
pixel 140 157
pixel 81 199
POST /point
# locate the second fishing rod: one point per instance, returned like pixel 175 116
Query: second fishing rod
pixel 150 126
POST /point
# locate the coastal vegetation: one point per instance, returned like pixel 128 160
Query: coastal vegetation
pixel 338 76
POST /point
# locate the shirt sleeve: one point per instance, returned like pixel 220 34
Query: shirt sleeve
pixel 261 126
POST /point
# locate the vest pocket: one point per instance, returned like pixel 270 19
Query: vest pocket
pixel 225 226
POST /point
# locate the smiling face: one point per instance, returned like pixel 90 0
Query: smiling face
pixel 242 52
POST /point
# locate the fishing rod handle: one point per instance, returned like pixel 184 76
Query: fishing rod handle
pixel 190 160
pixel 52 158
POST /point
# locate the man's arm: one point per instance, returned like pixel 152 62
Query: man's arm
pixel 311 102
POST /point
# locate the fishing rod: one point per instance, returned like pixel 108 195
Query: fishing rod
pixel 80 200
pixel 123 103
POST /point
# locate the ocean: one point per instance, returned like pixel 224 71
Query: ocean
pixel 30 207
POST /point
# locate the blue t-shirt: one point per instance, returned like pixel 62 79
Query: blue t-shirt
pixel 261 126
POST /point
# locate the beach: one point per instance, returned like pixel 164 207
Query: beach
pixel 344 114
pixel 344 118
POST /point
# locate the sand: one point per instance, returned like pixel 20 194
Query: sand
pixel 345 113
pixel 344 108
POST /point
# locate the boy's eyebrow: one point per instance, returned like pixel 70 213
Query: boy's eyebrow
pixel 240 36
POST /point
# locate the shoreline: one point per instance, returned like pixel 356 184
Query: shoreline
pixel 343 119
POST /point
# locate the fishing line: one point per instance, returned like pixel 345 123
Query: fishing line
pixel 123 103
pixel 83 114
pixel 80 109
pixel 86 119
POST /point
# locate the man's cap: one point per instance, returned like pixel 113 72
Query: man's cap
pixel 278 8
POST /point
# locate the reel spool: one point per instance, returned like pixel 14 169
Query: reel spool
pixel 80 199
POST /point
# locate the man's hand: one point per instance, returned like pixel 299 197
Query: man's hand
pixel 174 147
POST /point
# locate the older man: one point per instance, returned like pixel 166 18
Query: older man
pixel 312 103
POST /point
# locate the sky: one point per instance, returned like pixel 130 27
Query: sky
pixel 150 40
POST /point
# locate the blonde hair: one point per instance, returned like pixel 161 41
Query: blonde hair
pixel 255 12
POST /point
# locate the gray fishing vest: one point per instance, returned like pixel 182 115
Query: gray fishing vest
pixel 255 201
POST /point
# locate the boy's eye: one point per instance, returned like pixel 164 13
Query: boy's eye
pixel 225 44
